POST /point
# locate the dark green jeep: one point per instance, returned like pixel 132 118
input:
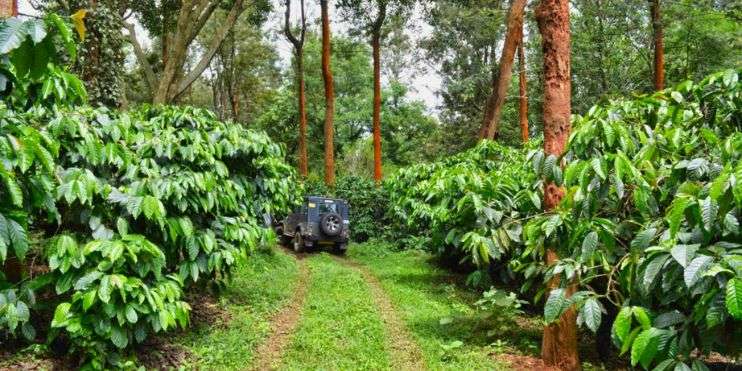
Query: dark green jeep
pixel 320 221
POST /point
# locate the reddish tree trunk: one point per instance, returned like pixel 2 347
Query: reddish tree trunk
pixel 375 46
pixel 659 46
pixel 303 160
pixel 523 106
pixel 8 8
pixel 299 52
pixel 497 98
pixel 559 345
pixel 329 98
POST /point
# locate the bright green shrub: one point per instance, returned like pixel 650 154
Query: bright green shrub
pixel 131 207
pixel 166 197
pixel 36 72
pixel 650 222
pixel 120 294
pixel 470 206
pixel 195 186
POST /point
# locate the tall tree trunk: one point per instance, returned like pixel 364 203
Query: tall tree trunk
pixel 659 46
pixel 8 8
pixel 298 44
pixel 376 49
pixel 523 93
pixel 303 160
pixel 559 345
pixel 329 98
pixel 497 98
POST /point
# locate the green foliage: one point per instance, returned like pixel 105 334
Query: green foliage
pixel 650 220
pixel 30 74
pixel 101 57
pixel 145 203
pixel 32 70
pixel 119 294
pixel 468 214
pixel 407 126
pixel 178 176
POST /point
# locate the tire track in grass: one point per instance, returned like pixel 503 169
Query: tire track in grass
pixel 405 352
pixel 269 353
pixel 340 327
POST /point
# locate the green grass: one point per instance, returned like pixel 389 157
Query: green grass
pixel 340 328
pixel 424 295
pixel 260 287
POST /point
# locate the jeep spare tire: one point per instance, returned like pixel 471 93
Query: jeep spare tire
pixel 331 224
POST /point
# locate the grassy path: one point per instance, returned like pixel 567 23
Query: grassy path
pixel 284 323
pixel 439 314
pixel 340 328
pixel 372 310
pixel 260 288
pixel 405 353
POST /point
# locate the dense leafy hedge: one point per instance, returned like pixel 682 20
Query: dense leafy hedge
pixel 127 209
pixel 468 209
pixel 649 223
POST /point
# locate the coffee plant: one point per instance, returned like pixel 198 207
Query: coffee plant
pixel 648 227
pixel 650 222
pixel 467 214
pixel 32 75
pixel 33 71
pixel 125 210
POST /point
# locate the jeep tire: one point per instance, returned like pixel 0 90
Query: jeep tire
pixel 283 239
pixel 331 224
pixel 340 249
pixel 298 242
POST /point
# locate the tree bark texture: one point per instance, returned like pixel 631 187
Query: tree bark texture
pixel 303 160
pixel 298 43
pixel 559 344
pixel 523 94
pixel 191 18
pixel 8 8
pixel 376 51
pixel 329 98
pixel 659 46
pixel 499 90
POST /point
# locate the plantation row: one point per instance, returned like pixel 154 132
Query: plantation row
pixel 120 212
pixel 648 231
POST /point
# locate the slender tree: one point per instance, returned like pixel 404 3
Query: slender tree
pixel 659 45
pixel 559 346
pixel 523 94
pixel 376 51
pixel 500 86
pixel 372 15
pixel 329 97
pixel 298 44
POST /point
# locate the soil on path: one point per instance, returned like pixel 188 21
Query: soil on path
pixel 268 355
pixel 405 352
